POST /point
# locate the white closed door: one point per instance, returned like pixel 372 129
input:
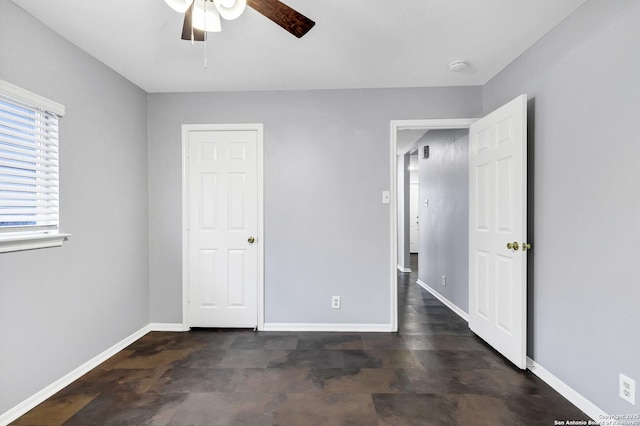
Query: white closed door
pixel 222 174
pixel 498 230
pixel 413 218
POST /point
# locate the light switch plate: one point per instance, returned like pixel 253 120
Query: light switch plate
pixel 386 197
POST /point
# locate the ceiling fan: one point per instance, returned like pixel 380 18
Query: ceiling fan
pixel 202 16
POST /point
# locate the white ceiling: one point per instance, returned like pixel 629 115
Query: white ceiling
pixel 355 43
pixel 406 139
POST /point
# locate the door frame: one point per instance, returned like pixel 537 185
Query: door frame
pixel 396 125
pixel 259 129
pixel 417 188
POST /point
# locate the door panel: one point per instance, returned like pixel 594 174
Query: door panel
pixel 237 199
pixel 237 267
pixel 208 201
pixel 206 276
pixel 482 292
pixel 498 216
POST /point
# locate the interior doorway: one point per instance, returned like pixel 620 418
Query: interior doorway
pixel 401 216
pixel 495 200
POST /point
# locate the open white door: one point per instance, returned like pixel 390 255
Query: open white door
pixel 223 256
pixel 498 230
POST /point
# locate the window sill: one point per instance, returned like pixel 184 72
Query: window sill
pixel 31 241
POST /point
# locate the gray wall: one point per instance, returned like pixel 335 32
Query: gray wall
pixel 444 224
pixel 582 81
pixel 61 307
pixel 326 165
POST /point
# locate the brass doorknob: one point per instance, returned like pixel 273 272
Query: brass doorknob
pixel 251 240
pixel 514 245
pixel 526 246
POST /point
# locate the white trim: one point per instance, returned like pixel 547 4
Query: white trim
pixel 28 241
pixel 345 328
pixel 31 98
pixel 259 129
pixel 185 228
pixel 395 126
pixel 589 408
pixel 449 304
pixel 168 326
pixel 260 134
pixel 433 124
pixel 49 391
pixel 393 219
pixel 403 269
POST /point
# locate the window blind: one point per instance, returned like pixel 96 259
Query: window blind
pixel 29 176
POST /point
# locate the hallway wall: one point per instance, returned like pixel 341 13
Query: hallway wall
pixel 444 223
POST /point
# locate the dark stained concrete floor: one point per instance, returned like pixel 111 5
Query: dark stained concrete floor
pixel 434 371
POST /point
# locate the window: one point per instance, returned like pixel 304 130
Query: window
pixel 29 175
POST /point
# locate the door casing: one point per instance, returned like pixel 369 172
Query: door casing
pixel 396 125
pixel 414 217
pixel 259 129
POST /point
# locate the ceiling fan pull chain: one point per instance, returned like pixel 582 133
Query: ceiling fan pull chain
pixel 193 37
pixel 205 50
pixel 205 35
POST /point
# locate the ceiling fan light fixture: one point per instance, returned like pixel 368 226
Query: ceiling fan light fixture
pixel 230 9
pixel 179 6
pixel 206 16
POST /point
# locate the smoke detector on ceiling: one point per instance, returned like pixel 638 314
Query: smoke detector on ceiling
pixel 457 66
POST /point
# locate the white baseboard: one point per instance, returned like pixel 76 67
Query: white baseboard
pixel 167 326
pixel 49 391
pixel 403 269
pixel 356 328
pixel 462 314
pixel 589 408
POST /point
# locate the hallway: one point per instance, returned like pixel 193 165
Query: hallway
pixel 433 372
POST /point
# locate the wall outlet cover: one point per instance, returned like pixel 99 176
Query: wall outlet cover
pixel 627 389
pixel 335 302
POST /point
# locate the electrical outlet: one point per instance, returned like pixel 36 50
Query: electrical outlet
pixel 335 302
pixel 444 280
pixel 627 389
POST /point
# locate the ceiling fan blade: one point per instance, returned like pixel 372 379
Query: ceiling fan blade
pixel 187 27
pixel 292 21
